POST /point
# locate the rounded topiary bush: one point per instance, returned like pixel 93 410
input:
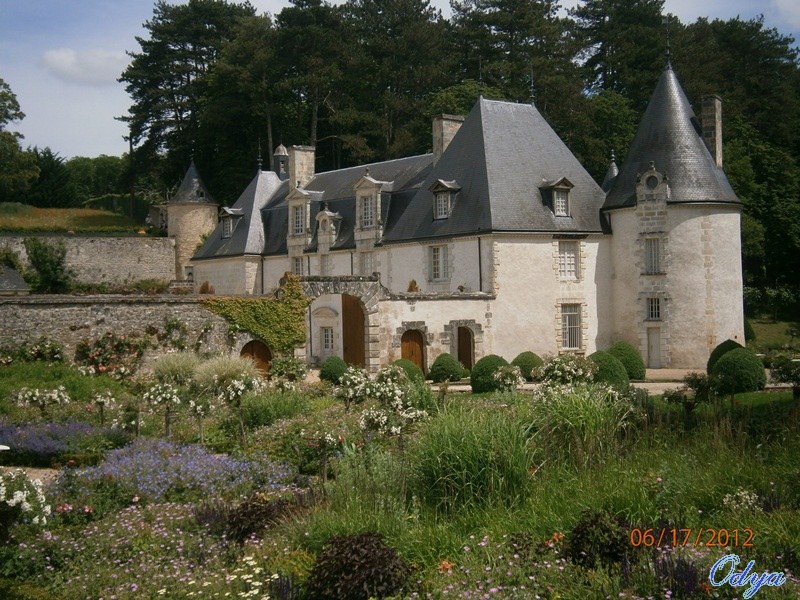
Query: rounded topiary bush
pixel 445 368
pixel 482 377
pixel 332 369
pixel 527 362
pixel 739 371
pixel 610 370
pixel 720 351
pixel 413 372
pixel 630 358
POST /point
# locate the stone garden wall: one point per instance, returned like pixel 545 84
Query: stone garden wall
pixel 111 260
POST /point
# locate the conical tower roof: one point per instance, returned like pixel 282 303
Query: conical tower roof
pixel 669 136
pixel 192 189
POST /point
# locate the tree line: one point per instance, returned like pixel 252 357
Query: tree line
pixel 214 82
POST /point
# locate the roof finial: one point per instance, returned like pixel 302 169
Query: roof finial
pixel 668 21
pixel 480 77
pixel 260 162
pixel 532 88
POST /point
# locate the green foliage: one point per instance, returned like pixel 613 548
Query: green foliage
pixel 332 369
pixel 630 358
pixel 357 567
pixel 280 322
pixel 467 458
pixel 787 371
pixel 610 370
pixel 412 371
pixel 718 352
pixel 599 538
pixel 749 332
pixel 265 408
pixel 10 258
pixel 250 516
pixel 112 354
pixel 445 368
pixel 288 367
pixel 177 369
pixel 739 371
pixel 527 362
pixel 698 388
pixel 48 262
pixel 482 377
pixel 566 369
pixel 215 374
pixel 42 349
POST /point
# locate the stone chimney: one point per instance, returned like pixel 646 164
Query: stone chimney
pixel 301 165
pixel 444 128
pixel 712 126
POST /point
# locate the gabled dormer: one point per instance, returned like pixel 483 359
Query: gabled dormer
pixel 556 195
pixel 299 202
pixel 327 228
pixel 444 198
pixel 228 217
pixel 368 202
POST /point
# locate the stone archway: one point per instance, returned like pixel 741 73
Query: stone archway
pixel 466 347
pixel 259 353
pixel 354 338
pixel 412 347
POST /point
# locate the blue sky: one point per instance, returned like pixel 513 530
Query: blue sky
pixel 62 59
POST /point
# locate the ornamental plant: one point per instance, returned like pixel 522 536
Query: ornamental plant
pixel 42 399
pixel 739 371
pixel 788 371
pixel 288 367
pixel 162 396
pixel 721 350
pixel 445 368
pixel 630 358
pixel 566 369
pixel 21 500
pixel 527 362
pixel 394 413
pixel 104 400
pixel 353 386
pixel 332 369
pixel 413 372
pixel 509 378
pixel 610 370
pixel 482 376
pixel 115 355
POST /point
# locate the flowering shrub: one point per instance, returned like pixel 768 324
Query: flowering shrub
pixel 353 386
pixel 288 367
pixel 112 354
pixel 232 394
pixel 742 501
pixel 42 399
pixel 509 377
pixel 21 499
pixel 394 412
pixel 566 369
pixel 165 397
pixel 42 349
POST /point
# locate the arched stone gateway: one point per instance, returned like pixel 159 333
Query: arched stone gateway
pixel 259 353
pixel 412 346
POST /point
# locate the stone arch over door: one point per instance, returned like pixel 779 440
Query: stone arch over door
pixel 259 353
pixel 466 347
pixel 354 338
pixel 457 333
pixel 412 347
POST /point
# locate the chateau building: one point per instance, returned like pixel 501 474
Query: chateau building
pixel 496 243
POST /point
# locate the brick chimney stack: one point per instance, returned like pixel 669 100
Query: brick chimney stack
pixel 444 128
pixel 712 126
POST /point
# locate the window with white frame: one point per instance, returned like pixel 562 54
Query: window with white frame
pixel 654 309
pixel 297 265
pixel 440 266
pixel 561 203
pixel 441 205
pixel 652 256
pixel 570 326
pixel 227 227
pixel 368 211
pixel 298 220
pixel 326 339
pixel 568 261
pixel 367 263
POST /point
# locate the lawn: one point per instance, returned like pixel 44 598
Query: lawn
pixel 275 489
pixel 21 218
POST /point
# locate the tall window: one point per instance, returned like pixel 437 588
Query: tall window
pixel 561 203
pixel 298 221
pixel 652 255
pixel 367 260
pixel 440 267
pixel 654 309
pixel 441 205
pixel 568 268
pixel 368 211
pixel 571 326
pixel 227 227
pixel 326 335
pixel 297 265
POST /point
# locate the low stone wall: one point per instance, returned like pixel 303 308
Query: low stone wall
pixel 111 260
pixel 70 319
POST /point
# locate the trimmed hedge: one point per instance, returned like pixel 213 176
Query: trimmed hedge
pixel 720 351
pixel 630 358
pixel 445 368
pixel 610 370
pixel 482 377
pixel 332 369
pixel 527 362
pixel 739 371
pixel 414 373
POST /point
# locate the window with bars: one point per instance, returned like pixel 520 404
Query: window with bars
pixel 654 309
pixel 561 203
pixel 326 335
pixel 297 265
pixel 652 253
pixel 568 261
pixel 440 267
pixel 571 326
pixel 298 221
pixel 368 211
pixel 441 205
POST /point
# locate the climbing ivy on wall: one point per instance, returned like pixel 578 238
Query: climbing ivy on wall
pixel 280 321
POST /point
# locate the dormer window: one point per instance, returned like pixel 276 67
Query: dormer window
pixel 368 211
pixel 561 203
pixel 556 194
pixel 441 205
pixel 298 220
pixel 227 227
pixel 201 195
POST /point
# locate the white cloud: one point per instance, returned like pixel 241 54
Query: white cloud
pixel 788 13
pixel 93 67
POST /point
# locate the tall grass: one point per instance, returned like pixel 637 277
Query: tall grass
pixel 176 369
pixel 23 218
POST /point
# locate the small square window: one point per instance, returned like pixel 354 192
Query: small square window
pixel 568 259
pixel 441 205
pixel 440 265
pixel 297 265
pixel 654 309
pixel 561 203
pixel 570 326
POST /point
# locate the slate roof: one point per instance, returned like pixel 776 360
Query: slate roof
pixel 502 158
pixel 11 282
pixel 670 136
pixel 187 192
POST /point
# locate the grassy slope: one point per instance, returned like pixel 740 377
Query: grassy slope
pixel 22 218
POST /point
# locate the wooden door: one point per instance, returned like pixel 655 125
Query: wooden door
pixel 412 347
pixel 353 326
pixel 466 351
pixel 259 353
pixel 653 348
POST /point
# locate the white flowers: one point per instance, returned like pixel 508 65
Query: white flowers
pixel 237 388
pixel 25 496
pixel 162 394
pixel 42 398
pixel 390 390
pixel 742 500
pixel 509 377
